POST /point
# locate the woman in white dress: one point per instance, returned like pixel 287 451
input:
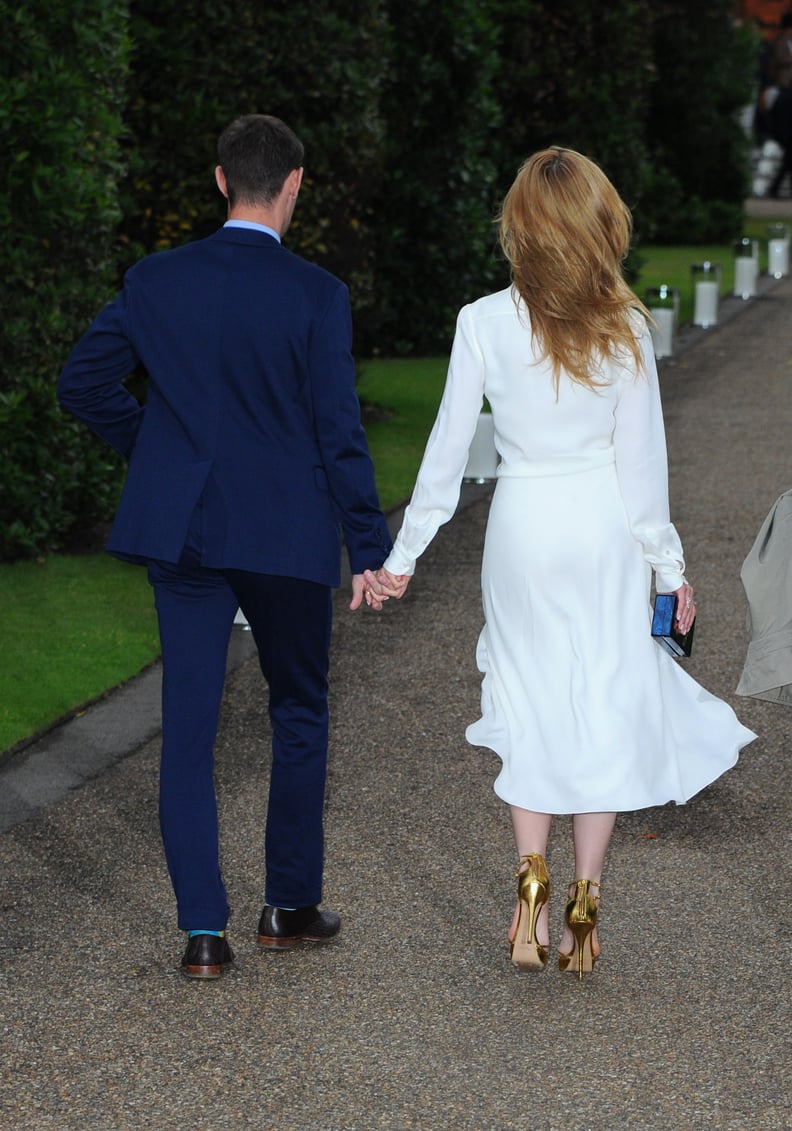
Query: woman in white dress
pixel 588 714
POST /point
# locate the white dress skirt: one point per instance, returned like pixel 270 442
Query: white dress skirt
pixel 586 712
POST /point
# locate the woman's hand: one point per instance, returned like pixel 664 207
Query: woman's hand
pixel 382 584
pixel 686 607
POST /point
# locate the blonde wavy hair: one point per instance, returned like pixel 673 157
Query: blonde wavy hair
pixel 565 232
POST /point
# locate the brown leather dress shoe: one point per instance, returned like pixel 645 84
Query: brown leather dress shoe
pixel 206 957
pixel 280 929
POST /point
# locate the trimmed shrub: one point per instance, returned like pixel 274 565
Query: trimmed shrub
pixel 436 245
pixel 577 75
pixel 320 72
pixel 63 70
pixel 704 72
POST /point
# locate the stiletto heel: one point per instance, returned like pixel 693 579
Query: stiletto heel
pixel 581 918
pixel 533 891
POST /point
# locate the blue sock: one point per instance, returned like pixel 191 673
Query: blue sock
pixel 219 934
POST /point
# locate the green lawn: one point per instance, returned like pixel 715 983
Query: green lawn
pixel 410 391
pixel 672 265
pixel 71 628
pixel 74 627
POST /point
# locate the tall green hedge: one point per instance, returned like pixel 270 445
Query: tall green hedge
pixel 436 244
pixel 198 64
pixel 415 119
pixel 61 92
pixel 703 76
pixel 578 75
pixel 394 104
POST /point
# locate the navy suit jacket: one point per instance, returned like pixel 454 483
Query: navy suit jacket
pixel 249 444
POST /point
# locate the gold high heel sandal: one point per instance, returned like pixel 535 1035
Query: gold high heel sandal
pixel 581 918
pixel 533 891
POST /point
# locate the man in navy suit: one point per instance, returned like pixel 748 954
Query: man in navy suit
pixel 245 464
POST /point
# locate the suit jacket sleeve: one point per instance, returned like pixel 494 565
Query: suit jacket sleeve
pixel 91 384
pixel 341 438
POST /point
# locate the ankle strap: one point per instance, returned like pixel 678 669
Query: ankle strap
pixel 589 884
pixel 530 859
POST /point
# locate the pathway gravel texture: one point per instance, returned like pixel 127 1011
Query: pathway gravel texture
pixel 415 1018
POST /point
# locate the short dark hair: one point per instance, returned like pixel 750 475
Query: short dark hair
pixel 256 153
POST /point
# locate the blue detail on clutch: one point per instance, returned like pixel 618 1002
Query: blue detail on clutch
pixel 664 628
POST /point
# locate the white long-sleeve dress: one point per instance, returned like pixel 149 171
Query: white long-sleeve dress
pixel 586 712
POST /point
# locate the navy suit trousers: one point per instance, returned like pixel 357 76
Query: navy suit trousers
pixel 291 622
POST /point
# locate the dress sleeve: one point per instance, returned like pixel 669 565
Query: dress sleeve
pixel 436 492
pixel 642 469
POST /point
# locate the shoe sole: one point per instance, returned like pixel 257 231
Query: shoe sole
pixel 205 973
pixel 528 962
pixel 291 941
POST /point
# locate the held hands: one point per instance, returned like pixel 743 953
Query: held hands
pixel 377 587
pixel 686 607
pixel 382 584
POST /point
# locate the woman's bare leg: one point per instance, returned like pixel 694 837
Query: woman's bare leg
pixel 531 831
pixel 592 833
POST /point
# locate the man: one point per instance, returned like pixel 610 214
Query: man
pixel 244 462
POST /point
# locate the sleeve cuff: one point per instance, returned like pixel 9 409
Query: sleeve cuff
pixel 668 580
pixel 397 563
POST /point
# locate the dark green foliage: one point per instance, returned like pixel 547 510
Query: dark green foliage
pixel 436 241
pixel 649 90
pixel 61 88
pixel 198 64
pixel 415 118
pixel 704 67
pixel 577 74
pixel 397 116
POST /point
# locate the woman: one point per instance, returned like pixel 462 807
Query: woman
pixel 587 713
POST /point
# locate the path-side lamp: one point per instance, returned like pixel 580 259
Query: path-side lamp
pixel 663 305
pixel 706 293
pixel 778 250
pixel 746 267
pixel 482 461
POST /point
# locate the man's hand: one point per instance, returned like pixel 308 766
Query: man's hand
pixel 376 587
pixel 384 584
pixel 358 590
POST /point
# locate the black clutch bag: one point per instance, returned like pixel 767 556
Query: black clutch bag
pixel 664 628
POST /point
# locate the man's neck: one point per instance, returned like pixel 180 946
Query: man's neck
pixel 266 216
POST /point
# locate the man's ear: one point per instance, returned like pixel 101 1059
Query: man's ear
pixel 294 181
pixel 221 181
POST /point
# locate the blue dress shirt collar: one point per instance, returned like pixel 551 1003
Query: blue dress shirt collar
pixel 252 226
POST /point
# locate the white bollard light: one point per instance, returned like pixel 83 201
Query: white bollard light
pixel 663 305
pixel 777 250
pixel 746 268
pixel 482 461
pixel 706 293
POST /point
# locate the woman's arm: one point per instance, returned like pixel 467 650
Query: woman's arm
pixel 642 469
pixel 436 493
